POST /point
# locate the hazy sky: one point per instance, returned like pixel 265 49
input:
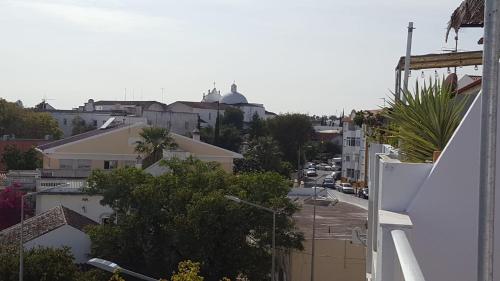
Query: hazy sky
pixel 311 56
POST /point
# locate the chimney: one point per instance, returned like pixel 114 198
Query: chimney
pixel 196 134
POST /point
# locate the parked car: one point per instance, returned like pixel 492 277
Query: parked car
pixel 329 182
pixel 328 168
pixel 346 187
pixel 311 172
pixel 363 193
pixel 336 175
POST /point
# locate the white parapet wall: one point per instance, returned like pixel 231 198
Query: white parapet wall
pixel 440 200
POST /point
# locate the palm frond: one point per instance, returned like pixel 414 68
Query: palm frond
pixel 426 122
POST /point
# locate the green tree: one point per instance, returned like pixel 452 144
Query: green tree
pixel 40 264
pixel 230 138
pixel 154 139
pixel 26 123
pixel 233 117
pixel 14 159
pixel 183 215
pixel 80 126
pixel 187 271
pixel 426 122
pixel 291 131
pixel 263 154
pixel 257 127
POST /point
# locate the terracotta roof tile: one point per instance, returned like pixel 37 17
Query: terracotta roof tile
pixel 43 223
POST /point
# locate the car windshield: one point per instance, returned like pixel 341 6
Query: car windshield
pixel 346 185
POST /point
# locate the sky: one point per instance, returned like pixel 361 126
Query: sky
pixel 308 56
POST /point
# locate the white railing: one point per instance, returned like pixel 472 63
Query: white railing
pixel 66 183
pixel 407 260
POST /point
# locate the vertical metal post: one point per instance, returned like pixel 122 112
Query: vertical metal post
pixel 407 60
pixel 273 265
pixel 396 84
pixel 299 172
pixel 489 103
pixel 313 234
pixel 21 243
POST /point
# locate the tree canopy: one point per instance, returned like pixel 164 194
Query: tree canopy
pixel 233 117
pixel 10 206
pixel 26 123
pixel 291 131
pixel 263 154
pixel 80 126
pixel 184 215
pixel 154 139
pixel 15 159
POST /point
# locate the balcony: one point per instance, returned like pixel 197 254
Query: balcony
pixel 45 183
pixel 65 173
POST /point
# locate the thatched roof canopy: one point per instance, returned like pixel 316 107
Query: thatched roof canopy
pixel 469 14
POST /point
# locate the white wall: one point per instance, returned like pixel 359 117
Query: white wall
pixel 442 202
pixel 66 235
pixel 445 210
pixel 85 205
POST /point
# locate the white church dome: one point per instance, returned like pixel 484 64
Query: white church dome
pixel 212 96
pixel 233 97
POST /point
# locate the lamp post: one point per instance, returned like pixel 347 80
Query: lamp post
pixel 111 267
pixel 21 235
pixel 314 225
pixel 238 200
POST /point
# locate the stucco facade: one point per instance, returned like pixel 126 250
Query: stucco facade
pixel 115 148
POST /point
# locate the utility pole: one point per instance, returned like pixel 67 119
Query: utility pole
pixel 407 60
pixel 488 152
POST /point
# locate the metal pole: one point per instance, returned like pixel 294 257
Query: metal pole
pixel 273 267
pixel 489 103
pixel 21 243
pixel 314 226
pixel 299 172
pixel 407 60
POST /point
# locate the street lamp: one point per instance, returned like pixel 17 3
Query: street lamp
pixel 314 224
pixel 112 267
pixel 21 242
pixel 238 200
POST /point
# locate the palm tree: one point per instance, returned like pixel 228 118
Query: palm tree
pixel 426 122
pixel 154 140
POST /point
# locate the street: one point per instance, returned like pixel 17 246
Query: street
pixel 342 197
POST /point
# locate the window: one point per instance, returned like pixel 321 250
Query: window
pixel 66 164
pixel 209 116
pixel 186 125
pixel 94 122
pixel 84 164
pixel 65 122
pixel 347 158
pixel 350 173
pixel 356 157
pixel 110 164
pixel 352 141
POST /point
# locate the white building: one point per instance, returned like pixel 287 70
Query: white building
pixel 353 150
pixel 213 101
pixel 74 199
pixel 57 227
pixel 425 216
pixel 96 113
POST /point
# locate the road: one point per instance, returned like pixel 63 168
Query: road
pixel 347 198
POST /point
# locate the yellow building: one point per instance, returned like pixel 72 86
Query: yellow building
pixel 114 147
